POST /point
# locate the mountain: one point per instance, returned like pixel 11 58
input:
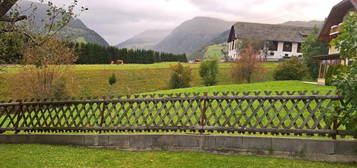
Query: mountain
pixel 311 23
pixel 193 34
pixel 76 30
pixel 145 40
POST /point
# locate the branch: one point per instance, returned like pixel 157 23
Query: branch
pixel 16 19
pixel 5 6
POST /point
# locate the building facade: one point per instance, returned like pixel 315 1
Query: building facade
pixel 330 31
pixel 279 41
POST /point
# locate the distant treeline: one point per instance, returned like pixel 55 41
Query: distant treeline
pixel 96 54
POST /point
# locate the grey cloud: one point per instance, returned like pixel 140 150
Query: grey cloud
pixel 117 20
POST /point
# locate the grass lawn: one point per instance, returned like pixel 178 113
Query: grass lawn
pixel 262 86
pixel 132 78
pixel 61 156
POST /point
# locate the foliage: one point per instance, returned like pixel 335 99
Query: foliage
pixel 292 69
pixel 43 82
pixel 332 72
pixel 181 76
pixel 346 112
pixel 311 47
pixel 346 82
pixel 247 65
pixel 346 41
pixel 53 52
pixel 112 79
pixel 96 54
pixel 11 44
pixel 209 72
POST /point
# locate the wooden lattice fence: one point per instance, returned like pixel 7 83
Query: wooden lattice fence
pixel 283 113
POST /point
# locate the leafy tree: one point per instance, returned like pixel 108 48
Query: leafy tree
pixel 181 77
pixel 40 47
pixel 332 72
pixel 247 65
pixel 292 69
pixel 346 83
pixel 313 47
pixel 346 41
pixel 209 72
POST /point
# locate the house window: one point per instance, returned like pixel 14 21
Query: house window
pixel 273 46
pixel 288 46
pixel 299 48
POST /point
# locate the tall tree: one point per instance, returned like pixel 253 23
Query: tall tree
pixel 313 47
pixel 346 42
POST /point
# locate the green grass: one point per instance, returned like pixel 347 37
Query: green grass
pixel 132 78
pixel 262 86
pixel 215 51
pixel 16 156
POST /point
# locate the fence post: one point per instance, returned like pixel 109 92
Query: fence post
pixel 204 107
pixel 102 111
pixel 19 117
pixel 335 122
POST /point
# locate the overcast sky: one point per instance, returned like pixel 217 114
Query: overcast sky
pixel 118 20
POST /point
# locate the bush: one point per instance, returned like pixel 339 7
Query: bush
pixel 46 82
pixel 332 72
pixel 209 72
pixel 247 66
pixel 290 70
pixel 112 79
pixel 345 112
pixel 181 77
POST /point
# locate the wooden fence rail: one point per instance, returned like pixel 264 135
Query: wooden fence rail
pixel 264 112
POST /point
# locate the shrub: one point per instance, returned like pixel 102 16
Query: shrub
pixel 209 72
pixel 247 65
pixel 112 80
pixel 332 72
pixel 181 76
pixel 345 112
pixel 46 82
pixel 292 69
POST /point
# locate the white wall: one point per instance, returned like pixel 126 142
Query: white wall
pixel 272 55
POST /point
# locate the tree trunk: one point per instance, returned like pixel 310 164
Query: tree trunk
pixel 5 6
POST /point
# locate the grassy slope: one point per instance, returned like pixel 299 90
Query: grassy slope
pixel 58 156
pixel 132 78
pixel 263 86
pixel 215 51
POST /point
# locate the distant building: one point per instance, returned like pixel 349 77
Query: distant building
pixel 330 31
pixel 280 41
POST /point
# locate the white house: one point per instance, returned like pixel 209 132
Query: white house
pixel 279 40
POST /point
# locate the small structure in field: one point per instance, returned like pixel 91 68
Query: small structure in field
pixel 117 62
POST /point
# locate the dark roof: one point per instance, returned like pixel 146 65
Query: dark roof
pixel 272 32
pixel 326 57
pixel 338 12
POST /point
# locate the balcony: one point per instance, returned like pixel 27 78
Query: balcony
pixel 335 29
